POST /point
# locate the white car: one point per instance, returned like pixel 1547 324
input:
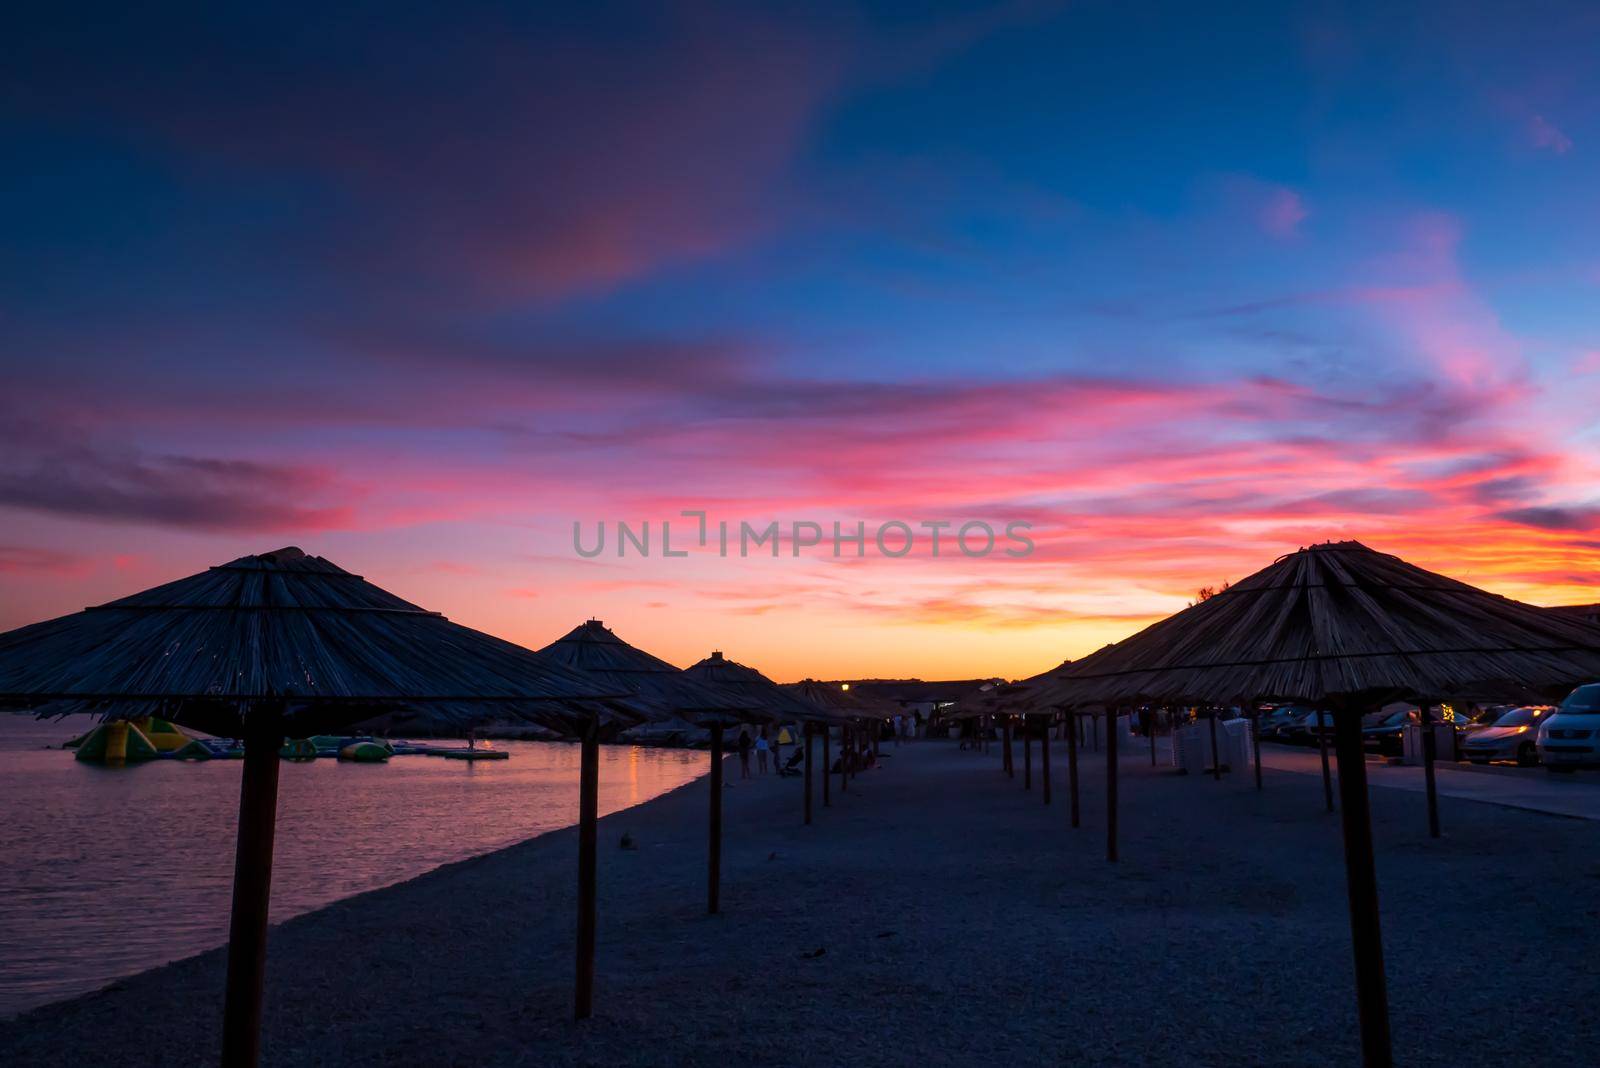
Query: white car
pixel 1509 737
pixel 1571 738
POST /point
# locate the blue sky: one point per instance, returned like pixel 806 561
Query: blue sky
pixel 418 289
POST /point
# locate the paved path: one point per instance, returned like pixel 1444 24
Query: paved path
pixel 1576 794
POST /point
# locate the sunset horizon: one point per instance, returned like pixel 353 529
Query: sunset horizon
pixel 958 638
pixel 1179 335
pixel 865 533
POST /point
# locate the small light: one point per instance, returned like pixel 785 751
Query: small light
pixel 844 686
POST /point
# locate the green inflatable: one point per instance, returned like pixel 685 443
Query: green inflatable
pixel 299 749
pixel 116 742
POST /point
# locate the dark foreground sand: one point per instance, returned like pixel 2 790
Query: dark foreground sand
pixel 935 914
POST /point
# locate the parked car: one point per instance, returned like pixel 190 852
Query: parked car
pixel 1275 719
pixel 1568 738
pixel 1385 731
pixel 1511 737
pixel 1300 728
pixel 1478 719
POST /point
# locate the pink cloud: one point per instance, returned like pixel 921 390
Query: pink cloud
pixel 17 559
pixel 1544 134
pixel 1283 213
pixel 450 567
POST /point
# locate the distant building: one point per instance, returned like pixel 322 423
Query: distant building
pixel 914 695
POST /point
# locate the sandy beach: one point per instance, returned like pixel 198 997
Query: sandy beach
pixel 937 913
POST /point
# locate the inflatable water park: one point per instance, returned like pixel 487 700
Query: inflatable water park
pixel 128 741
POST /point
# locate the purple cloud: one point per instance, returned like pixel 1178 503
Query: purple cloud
pixel 84 481
pixel 1542 133
pixel 1583 518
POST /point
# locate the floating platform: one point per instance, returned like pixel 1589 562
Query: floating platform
pixel 367 752
pixel 130 741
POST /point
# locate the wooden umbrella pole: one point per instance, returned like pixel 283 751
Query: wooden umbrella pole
pixel 1027 755
pixel 1427 769
pixel 846 749
pixel 809 735
pixel 1111 792
pixel 1255 742
pixel 714 869
pixel 1322 745
pixel 1044 760
pixel 1216 754
pixel 1072 763
pixel 1094 727
pixel 1150 729
pixel 827 765
pixel 1372 999
pixel 588 811
pixel 252 885
pixel 1007 763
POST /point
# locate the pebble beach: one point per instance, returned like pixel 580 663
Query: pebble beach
pixel 937 912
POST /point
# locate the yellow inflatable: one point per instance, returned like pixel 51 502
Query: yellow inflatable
pixel 116 742
pixel 163 734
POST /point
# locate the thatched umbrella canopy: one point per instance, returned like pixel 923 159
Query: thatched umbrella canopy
pixel 838 704
pixel 1343 626
pixel 761 701
pixel 1022 697
pixel 654 685
pixel 273 643
pixel 664 691
pixel 290 630
pixel 1004 701
pixel 772 702
pixel 845 708
pixel 1342 622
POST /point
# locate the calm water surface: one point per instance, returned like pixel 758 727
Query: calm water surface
pixel 105 872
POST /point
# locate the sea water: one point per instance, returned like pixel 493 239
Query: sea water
pixel 107 871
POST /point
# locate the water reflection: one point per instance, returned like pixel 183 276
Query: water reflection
pixel 109 871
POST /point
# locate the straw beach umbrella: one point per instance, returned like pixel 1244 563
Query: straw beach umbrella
pixel 654 685
pixel 771 702
pixel 1343 627
pixel 841 703
pixel 765 702
pixel 1022 699
pixel 839 706
pixel 269 645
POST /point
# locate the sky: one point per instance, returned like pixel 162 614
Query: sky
pixel 418 288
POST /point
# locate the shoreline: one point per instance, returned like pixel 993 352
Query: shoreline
pixel 119 982
pixel 67 927
pixel 957 919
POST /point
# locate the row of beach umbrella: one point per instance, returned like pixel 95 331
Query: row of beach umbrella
pixel 1339 627
pixel 290 644
pixel 285 644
